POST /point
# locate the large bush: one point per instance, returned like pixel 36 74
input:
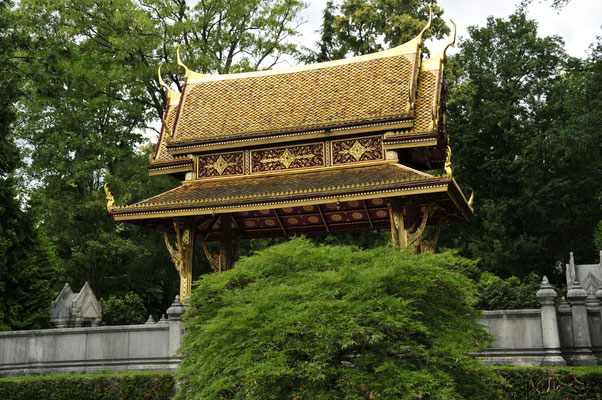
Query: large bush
pixel 126 386
pixel 307 322
pixel 125 310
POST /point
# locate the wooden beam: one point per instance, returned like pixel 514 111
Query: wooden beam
pixel 368 214
pixel 323 219
pixel 280 222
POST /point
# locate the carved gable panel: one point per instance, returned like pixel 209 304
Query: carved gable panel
pixel 220 165
pixel 357 150
pixel 287 158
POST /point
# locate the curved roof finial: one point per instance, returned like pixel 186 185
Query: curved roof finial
pixel 429 24
pixel 471 200
pixel 180 63
pixel 453 42
pixel 161 81
pixel 110 198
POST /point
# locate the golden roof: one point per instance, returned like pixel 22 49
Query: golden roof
pixel 365 89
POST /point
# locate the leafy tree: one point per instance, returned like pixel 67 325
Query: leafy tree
pixel 29 273
pixel 124 310
pixel 329 47
pixel 520 126
pixel 496 293
pixel 303 321
pixel 91 90
pixel 364 26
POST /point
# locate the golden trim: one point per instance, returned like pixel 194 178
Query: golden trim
pixel 294 171
pixel 432 188
pixel 470 201
pixel 289 137
pixel 410 143
pixel 420 176
pixel 462 207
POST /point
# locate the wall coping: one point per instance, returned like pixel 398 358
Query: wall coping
pixel 87 330
pixel 524 313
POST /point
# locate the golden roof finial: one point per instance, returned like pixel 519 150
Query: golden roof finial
pixel 190 75
pixel 471 200
pixel 180 63
pixel 173 97
pixel 453 42
pixel 447 166
pixel 110 199
pixel 429 24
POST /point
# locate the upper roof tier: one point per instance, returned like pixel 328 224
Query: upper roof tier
pixel 378 87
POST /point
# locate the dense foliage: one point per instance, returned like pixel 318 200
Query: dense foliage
pixel 523 125
pixel 29 273
pixel 127 386
pixel 124 310
pixel 303 321
pixel 533 383
pixel 79 82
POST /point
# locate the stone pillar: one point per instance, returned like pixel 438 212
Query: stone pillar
pixel 549 325
pixel 599 293
pixel 176 330
pixel 582 340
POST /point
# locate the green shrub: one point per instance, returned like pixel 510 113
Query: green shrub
pixel 496 293
pixel 125 310
pixel 535 383
pixel 307 322
pixel 128 386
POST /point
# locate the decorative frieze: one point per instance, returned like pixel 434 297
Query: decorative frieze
pixel 220 165
pixel 286 158
pixel 357 150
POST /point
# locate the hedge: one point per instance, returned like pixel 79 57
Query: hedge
pixel 126 386
pixel 549 383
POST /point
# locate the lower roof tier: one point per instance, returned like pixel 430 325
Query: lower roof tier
pixel 325 201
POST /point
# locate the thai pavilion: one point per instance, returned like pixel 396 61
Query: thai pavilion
pixel 323 148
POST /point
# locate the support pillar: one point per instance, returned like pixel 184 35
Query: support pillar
pixel 226 250
pixel 549 325
pixel 582 340
pixel 398 232
pixel 182 255
pixel 407 233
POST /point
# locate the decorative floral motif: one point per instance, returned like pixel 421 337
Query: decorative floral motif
pixel 304 156
pixel 220 165
pixel 356 150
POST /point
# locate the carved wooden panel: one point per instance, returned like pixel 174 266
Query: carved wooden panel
pixel 357 150
pixel 285 158
pixel 220 165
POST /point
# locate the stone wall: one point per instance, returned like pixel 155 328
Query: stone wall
pixel 148 347
pixel 567 334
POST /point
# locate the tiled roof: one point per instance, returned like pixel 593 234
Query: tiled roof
pixel 253 191
pixel 360 90
pixel 426 100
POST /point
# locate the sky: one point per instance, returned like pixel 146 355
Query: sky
pixel 578 23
